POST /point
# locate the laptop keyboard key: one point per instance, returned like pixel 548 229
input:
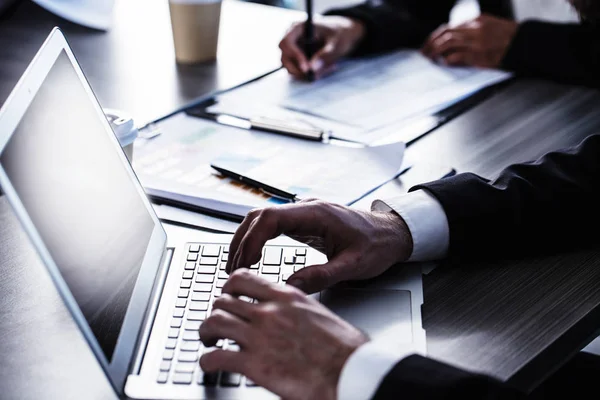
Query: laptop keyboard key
pixel 205 278
pixel 301 260
pixel 165 365
pixel 171 344
pixel 225 257
pixel 185 367
pixel 200 296
pixel 272 256
pixel 199 305
pixel 209 261
pixel 188 356
pixel 181 303
pixel 211 250
pixel 190 346
pixel 196 316
pixel 194 248
pixel 221 283
pixel 185 283
pixel 178 313
pixel 187 274
pixel 168 355
pixel 190 265
pixel 192 257
pixel 173 333
pixel 202 287
pixel 182 379
pixel 191 335
pixel 204 269
pixel 223 275
pixel 301 251
pixel 162 377
pixel 226 249
pixel 176 322
pixel 192 325
pixel 183 293
pixel 230 379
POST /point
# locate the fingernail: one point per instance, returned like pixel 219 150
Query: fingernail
pixel 305 67
pixel 316 65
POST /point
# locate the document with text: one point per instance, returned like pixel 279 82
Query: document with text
pixel 362 96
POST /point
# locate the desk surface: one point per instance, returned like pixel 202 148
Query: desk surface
pixel 488 317
pixel 132 66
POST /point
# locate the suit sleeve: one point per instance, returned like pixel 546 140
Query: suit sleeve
pixel 392 24
pixel 568 53
pixel 548 205
pixel 418 377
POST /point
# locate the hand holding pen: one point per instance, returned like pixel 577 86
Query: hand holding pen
pixel 333 38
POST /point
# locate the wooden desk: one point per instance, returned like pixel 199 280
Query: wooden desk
pixel 491 318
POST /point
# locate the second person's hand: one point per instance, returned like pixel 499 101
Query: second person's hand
pixel 358 244
pixel 337 35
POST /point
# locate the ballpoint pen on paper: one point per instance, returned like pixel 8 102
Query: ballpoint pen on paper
pixel 267 189
pixel 309 38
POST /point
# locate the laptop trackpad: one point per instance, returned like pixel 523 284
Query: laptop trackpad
pixel 380 314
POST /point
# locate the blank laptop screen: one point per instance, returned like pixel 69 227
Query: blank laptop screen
pixel 81 199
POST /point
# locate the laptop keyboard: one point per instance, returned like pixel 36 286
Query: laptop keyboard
pixel 201 283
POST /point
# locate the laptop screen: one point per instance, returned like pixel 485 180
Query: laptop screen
pixel 79 196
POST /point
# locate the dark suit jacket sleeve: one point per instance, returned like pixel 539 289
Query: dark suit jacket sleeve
pixel 562 52
pixel 391 24
pixel 548 205
pixel 417 377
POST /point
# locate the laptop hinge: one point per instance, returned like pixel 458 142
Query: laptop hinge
pixel 157 291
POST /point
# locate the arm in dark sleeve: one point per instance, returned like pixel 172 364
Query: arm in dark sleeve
pixel 551 204
pixel 392 24
pixel 417 377
pixel 567 53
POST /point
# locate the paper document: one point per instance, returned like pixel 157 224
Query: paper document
pixel 363 95
pixel 178 160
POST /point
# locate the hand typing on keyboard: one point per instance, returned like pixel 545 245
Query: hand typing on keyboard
pixel 358 244
pixel 286 342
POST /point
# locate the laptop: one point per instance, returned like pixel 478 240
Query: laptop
pixel 139 289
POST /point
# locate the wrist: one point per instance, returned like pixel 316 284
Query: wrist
pixel 397 233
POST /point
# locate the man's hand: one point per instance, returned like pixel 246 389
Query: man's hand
pixel 358 244
pixel 289 343
pixel 338 36
pixel 482 42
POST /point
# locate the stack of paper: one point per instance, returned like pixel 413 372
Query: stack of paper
pixel 178 161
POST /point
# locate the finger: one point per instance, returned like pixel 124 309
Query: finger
pixel 426 48
pixel 319 277
pixel 244 283
pixel 448 43
pixel 239 308
pixel 325 57
pixel 303 219
pixel 237 238
pixel 459 58
pixel 223 325
pixel 292 68
pixel 290 49
pixel 223 360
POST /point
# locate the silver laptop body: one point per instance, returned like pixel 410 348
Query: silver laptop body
pixel 137 289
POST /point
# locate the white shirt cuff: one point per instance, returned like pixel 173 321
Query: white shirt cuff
pixel 365 369
pixel 426 221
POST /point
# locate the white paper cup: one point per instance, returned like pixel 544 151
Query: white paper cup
pixel 195 26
